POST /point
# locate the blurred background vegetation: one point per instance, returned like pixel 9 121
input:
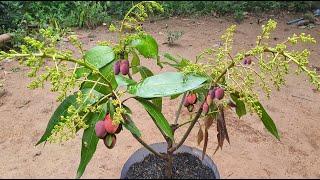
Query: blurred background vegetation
pixel 22 18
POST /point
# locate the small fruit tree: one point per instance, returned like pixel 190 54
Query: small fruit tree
pixel 212 82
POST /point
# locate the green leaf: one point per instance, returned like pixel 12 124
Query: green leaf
pixel 146 46
pixel 128 110
pixel 159 62
pixel 107 72
pixel 267 121
pixel 99 56
pixel 129 124
pixel 166 84
pixel 89 140
pixel 170 57
pixel 135 63
pixel 62 110
pixel 157 117
pixel 158 103
pixel 145 72
pixel 90 99
pixel 241 107
pixel 124 81
pixel 174 96
pixel 82 71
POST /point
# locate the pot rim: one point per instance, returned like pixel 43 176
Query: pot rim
pixel 161 147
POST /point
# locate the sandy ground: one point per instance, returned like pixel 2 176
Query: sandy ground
pixel 253 152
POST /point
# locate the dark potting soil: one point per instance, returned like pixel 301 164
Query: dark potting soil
pixel 185 166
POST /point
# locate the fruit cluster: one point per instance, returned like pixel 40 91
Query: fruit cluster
pixel 106 130
pixel 213 93
pixel 121 66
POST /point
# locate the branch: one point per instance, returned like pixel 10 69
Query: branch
pixel 148 147
pixel 179 110
pixel 188 131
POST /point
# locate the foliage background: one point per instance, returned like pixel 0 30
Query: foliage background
pixel 23 17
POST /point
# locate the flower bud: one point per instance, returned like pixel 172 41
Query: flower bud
pixel 100 130
pixel 219 93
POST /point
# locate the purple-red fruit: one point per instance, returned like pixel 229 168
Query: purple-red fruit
pixel 209 100
pixel 186 102
pixel 245 61
pixel 116 68
pixel 219 93
pixel 100 130
pixel 249 61
pixel 211 93
pixel 192 98
pixel 205 108
pixel 124 67
pixel 109 126
pixel 190 107
pixel 110 140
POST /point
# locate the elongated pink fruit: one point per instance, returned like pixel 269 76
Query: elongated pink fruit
pixel 124 67
pixel 186 102
pixel 116 68
pixel 100 130
pixel 209 100
pixel 211 93
pixel 205 108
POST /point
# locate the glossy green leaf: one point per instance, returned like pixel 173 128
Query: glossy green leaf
pixel 174 96
pixel 90 96
pixel 157 102
pixel 267 121
pixel 135 63
pixel 146 46
pixel 124 81
pixel 129 124
pixel 145 72
pixel 107 72
pixel 82 72
pixel 99 56
pixel 166 84
pixel 62 110
pixel 157 117
pixel 89 140
pixel 241 107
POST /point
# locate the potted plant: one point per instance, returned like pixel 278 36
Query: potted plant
pixel 214 82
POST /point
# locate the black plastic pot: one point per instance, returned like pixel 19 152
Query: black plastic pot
pixel 141 153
